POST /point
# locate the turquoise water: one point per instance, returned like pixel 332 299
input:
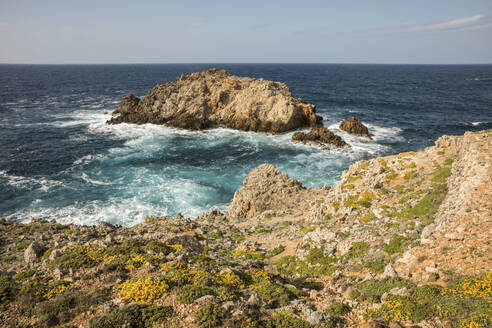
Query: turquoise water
pixel 61 161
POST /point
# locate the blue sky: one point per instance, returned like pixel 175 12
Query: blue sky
pixel 329 31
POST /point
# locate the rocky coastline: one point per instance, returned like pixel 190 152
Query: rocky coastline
pixel 401 241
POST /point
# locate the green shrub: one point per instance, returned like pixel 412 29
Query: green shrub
pixel 133 316
pixel 367 218
pixel 209 315
pixel 276 251
pixel 395 245
pixel 25 274
pixel 8 288
pixel 358 249
pixel 316 264
pixel 285 319
pixel 372 290
pixel 376 266
pixel 273 294
pixel 22 245
pixel 63 307
pixel 187 294
pixel 338 309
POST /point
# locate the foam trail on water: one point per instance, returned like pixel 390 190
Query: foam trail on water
pixel 42 183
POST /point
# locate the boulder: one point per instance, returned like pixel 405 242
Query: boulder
pixel 320 136
pixel 214 97
pixel 265 188
pixel 354 126
pixel 33 252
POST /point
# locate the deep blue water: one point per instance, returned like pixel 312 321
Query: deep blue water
pixel 59 160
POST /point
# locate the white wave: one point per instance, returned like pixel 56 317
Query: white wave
pixel 478 123
pixel 87 159
pixel 93 181
pixel 43 184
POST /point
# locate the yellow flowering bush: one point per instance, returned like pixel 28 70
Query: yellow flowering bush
pixel 473 286
pixel 176 248
pixel 231 280
pixel 135 262
pixel 467 303
pixel 257 275
pixel 143 290
pixel 58 289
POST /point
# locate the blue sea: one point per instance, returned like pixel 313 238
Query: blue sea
pixel 59 160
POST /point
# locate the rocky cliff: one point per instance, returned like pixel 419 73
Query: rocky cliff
pixel 401 241
pixel 215 98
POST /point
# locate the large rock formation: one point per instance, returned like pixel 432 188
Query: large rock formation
pixel 214 97
pixel 354 126
pixel 320 136
pixel 267 189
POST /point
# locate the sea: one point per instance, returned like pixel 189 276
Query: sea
pixel 60 160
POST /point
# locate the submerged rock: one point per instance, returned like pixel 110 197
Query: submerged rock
pixel 320 136
pixel 354 126
pixel 214 97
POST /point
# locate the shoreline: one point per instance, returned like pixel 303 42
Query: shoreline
pixel 394 228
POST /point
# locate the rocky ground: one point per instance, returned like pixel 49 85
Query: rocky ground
pixel 401 241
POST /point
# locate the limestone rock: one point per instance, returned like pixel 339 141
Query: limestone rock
pixel 389 272
pixel 354 126
pixel 33 252
pixel 320 136
pixel 214 97
pixel 265 188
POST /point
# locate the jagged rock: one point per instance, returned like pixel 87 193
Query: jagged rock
pixel 389 272
pixel 320 136
pixel 33 252
pixel 354 126
pixel 214 97
pixel 127 104
pixel 265 188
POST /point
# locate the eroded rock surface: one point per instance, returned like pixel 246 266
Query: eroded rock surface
pixel 354 126
pixel 267 189
pixel 214 97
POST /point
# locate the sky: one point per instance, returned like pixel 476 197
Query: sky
pixel 325 31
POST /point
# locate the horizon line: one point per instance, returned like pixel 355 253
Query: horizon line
pixel 248 63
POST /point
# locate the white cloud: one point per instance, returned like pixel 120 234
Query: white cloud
pixel 452 24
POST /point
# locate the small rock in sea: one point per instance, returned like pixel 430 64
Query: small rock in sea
pixel 354 126
pixel 320 136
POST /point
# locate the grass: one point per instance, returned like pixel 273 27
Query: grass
pixel 376 266
pixel 316 264
pixel 367 218
pixel 135 316
pixel 372 290
pixel 285 319
pixel 358 249
pixel 395 245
